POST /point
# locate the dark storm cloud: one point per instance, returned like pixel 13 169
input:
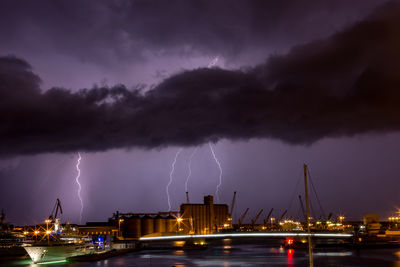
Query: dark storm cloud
pixel 342 85
pixel 109 31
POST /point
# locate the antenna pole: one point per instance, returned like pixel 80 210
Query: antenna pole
pixel 187 197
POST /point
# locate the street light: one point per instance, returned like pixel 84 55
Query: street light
pixel 119 226
pixel 48 232
pixel 179 220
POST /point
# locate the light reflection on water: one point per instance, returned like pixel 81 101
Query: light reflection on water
pixel 255 255
pixel 397 254
pixel 179 252
pixel 248 255
pixel 336 254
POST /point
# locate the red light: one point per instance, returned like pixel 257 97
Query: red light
pixel 290 253
pixel 289 241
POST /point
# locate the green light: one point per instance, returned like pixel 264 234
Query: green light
pixel 23 262
pixel 52 262
pixel 29 261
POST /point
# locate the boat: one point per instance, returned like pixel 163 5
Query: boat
pixel 10 241
pixel 58 242
pixel 59 245
pixel 53 252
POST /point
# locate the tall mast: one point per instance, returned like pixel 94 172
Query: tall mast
pixel 310 256
pixel 187 197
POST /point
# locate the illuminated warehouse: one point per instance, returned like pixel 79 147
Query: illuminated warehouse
pixel 204 218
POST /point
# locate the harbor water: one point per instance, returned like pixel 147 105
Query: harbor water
pixel 243 255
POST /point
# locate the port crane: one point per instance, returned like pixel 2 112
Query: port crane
pixel 233 203
pixel 254 221
pixel 283 214
pixel 269 215
pixel 242 218
pixel 54 212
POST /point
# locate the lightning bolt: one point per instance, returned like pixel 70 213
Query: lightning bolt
pixel 170 177
pixel 220 172
pixel 190 169
pixel 79 185
pixel 213 62
pixel 210 65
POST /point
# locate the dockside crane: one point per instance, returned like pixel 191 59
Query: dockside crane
pixel 231 211
pixel 54 212
pixel 254 221
pixel 233 203
pixel 269 215
pixel 283 214
pixel 242 218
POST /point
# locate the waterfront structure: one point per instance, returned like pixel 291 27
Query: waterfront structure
pixel 98 228
pixel 206 218
pixel 202 218
pixel 371 222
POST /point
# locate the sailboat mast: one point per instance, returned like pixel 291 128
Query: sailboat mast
pixel 310 256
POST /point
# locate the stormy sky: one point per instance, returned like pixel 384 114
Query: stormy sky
pixel 129 83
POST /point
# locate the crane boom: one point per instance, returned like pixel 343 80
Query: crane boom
pixel 253 222
pixel 233 203
pixel 283 214
pixel 56 207
pixel 269 215
pixel 243 216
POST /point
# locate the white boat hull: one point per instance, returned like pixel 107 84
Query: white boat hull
pixel 56 252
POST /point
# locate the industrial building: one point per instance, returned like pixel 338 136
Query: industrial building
pixel 98 228
pixel 204 218
pixel 136 225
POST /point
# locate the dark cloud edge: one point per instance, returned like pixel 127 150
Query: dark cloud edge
pixel 344 85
